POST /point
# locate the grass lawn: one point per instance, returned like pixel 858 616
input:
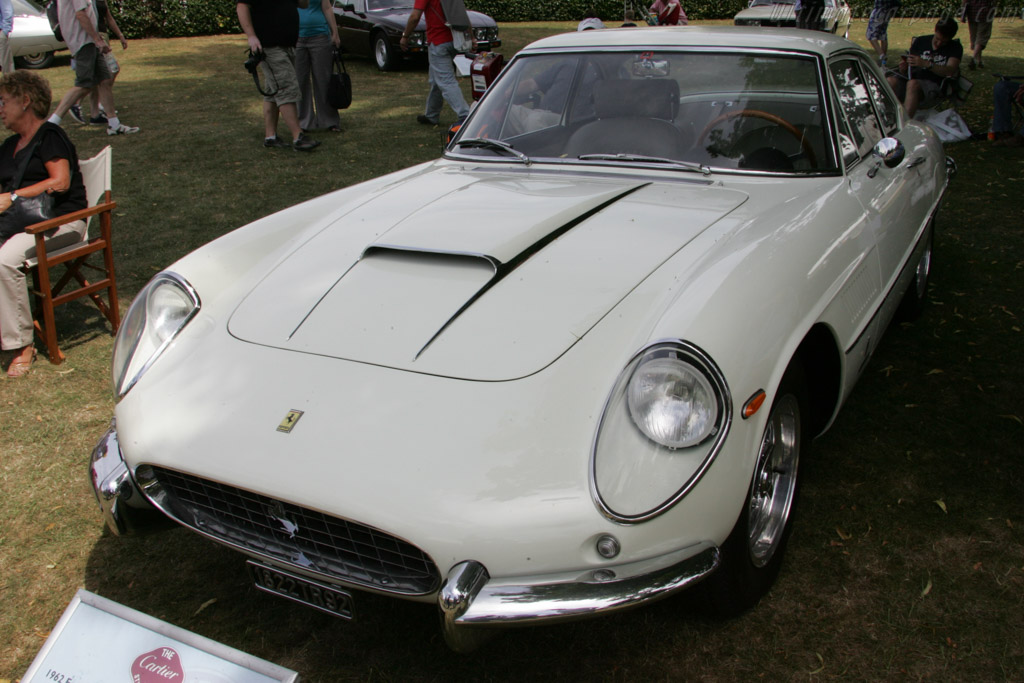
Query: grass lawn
pixel 907 560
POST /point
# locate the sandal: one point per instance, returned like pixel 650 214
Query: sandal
pixel 19 367
pixel 334 129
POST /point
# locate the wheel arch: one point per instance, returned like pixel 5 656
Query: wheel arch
pixel 821 358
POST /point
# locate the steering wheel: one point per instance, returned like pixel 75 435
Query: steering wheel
pixel 805 144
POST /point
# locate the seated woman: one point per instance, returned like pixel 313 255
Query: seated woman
pixel 50 165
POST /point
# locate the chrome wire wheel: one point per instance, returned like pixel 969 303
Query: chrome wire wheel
pixel 774 485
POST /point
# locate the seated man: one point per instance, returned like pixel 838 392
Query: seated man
pixel 1003 95
pixel 930 60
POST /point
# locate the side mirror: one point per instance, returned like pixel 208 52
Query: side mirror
pixel 890 152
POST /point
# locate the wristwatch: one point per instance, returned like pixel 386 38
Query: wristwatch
pixel 14 197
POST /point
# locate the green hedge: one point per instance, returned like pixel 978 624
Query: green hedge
pixel 172 18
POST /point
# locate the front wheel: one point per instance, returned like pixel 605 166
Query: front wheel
pixel 38 60
pixel 384 53
pixel 752 554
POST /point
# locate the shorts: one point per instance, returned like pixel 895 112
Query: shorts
pixel 981 33
pixel 90 67
pixel 878 24
pixel 279 79
pixel 930 91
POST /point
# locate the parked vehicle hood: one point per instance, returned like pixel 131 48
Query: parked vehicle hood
pixel 474 274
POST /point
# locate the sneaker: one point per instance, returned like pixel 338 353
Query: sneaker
pixel 424 120
pixel 122 130
pixel 304 144
pixel 883 62
pixel 76 113
pixel 275 142
pixel 99 120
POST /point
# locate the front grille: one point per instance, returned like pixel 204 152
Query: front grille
pixel 303 538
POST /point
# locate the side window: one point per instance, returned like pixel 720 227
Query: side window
pixel 856 104
pixel 885 104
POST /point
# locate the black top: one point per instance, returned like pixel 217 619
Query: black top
pixel 276 22
pixel 922 45
pixel 53 144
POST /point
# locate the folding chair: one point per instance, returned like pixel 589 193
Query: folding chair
pixel 72 260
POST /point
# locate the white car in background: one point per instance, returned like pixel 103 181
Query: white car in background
pixel 781 13
pixel 32 41
pixel 568 368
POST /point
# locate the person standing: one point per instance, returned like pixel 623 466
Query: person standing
pixel 78 24
pixel 6 25
pixel 979 15
pixel 878 28
pixel 444 87
pixel 105 25
pixel 314 62
pixel 272 28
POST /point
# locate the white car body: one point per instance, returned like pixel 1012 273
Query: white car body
pixel 452 335
pixel 32 41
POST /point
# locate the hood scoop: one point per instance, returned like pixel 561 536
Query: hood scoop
pixel 490 280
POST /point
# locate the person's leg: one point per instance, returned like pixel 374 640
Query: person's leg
pixel 1002 97
pixel 322 64
pixel 443 73
pixel 913 97
pixel 435 98
pixel 979 43
pixel 303 58
pixel 6 56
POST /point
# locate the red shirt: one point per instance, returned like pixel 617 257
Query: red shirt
pixel 438 32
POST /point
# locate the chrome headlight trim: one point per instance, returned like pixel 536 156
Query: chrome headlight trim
pixel 704 452
pixel 137 323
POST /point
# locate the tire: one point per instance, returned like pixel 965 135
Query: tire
pixel 916 296
pixel 38 60
pixel 752 554
pixel 385 55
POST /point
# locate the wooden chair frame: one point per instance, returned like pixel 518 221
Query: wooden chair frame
pixel 48 293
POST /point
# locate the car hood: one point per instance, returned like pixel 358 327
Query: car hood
pixel 474 274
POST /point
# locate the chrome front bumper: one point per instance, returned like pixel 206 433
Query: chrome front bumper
pixel 124 508
pixel 469 600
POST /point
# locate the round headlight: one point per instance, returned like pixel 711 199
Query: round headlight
pixel 672 402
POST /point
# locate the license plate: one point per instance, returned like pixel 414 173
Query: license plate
pixel 309 593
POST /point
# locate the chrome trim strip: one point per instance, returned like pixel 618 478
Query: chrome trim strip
pixel 125 509
pixel 703 362
pixel 469 599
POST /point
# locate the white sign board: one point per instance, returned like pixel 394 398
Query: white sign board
pixel 100 641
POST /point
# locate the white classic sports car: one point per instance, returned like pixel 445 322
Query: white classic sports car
pixel 568 368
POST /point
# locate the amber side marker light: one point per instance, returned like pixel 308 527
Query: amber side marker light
pixel 754 403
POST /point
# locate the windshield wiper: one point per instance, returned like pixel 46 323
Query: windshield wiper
pixel 497 145
pixel 685 165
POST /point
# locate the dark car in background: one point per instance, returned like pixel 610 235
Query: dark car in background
pixel 373 28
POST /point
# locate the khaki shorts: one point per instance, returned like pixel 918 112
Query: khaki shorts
pixel 278 67
pixel 981 33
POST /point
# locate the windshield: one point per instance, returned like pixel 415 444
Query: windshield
pixel 723 110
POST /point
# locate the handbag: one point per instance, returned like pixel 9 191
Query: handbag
pixel 339 88
pixel 25 211
pixel 456 18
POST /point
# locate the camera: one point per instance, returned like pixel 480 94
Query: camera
pixel 253 62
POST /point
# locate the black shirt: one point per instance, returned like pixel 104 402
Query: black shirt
pixel 922 45
pixel 276 22
pixel 53 144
